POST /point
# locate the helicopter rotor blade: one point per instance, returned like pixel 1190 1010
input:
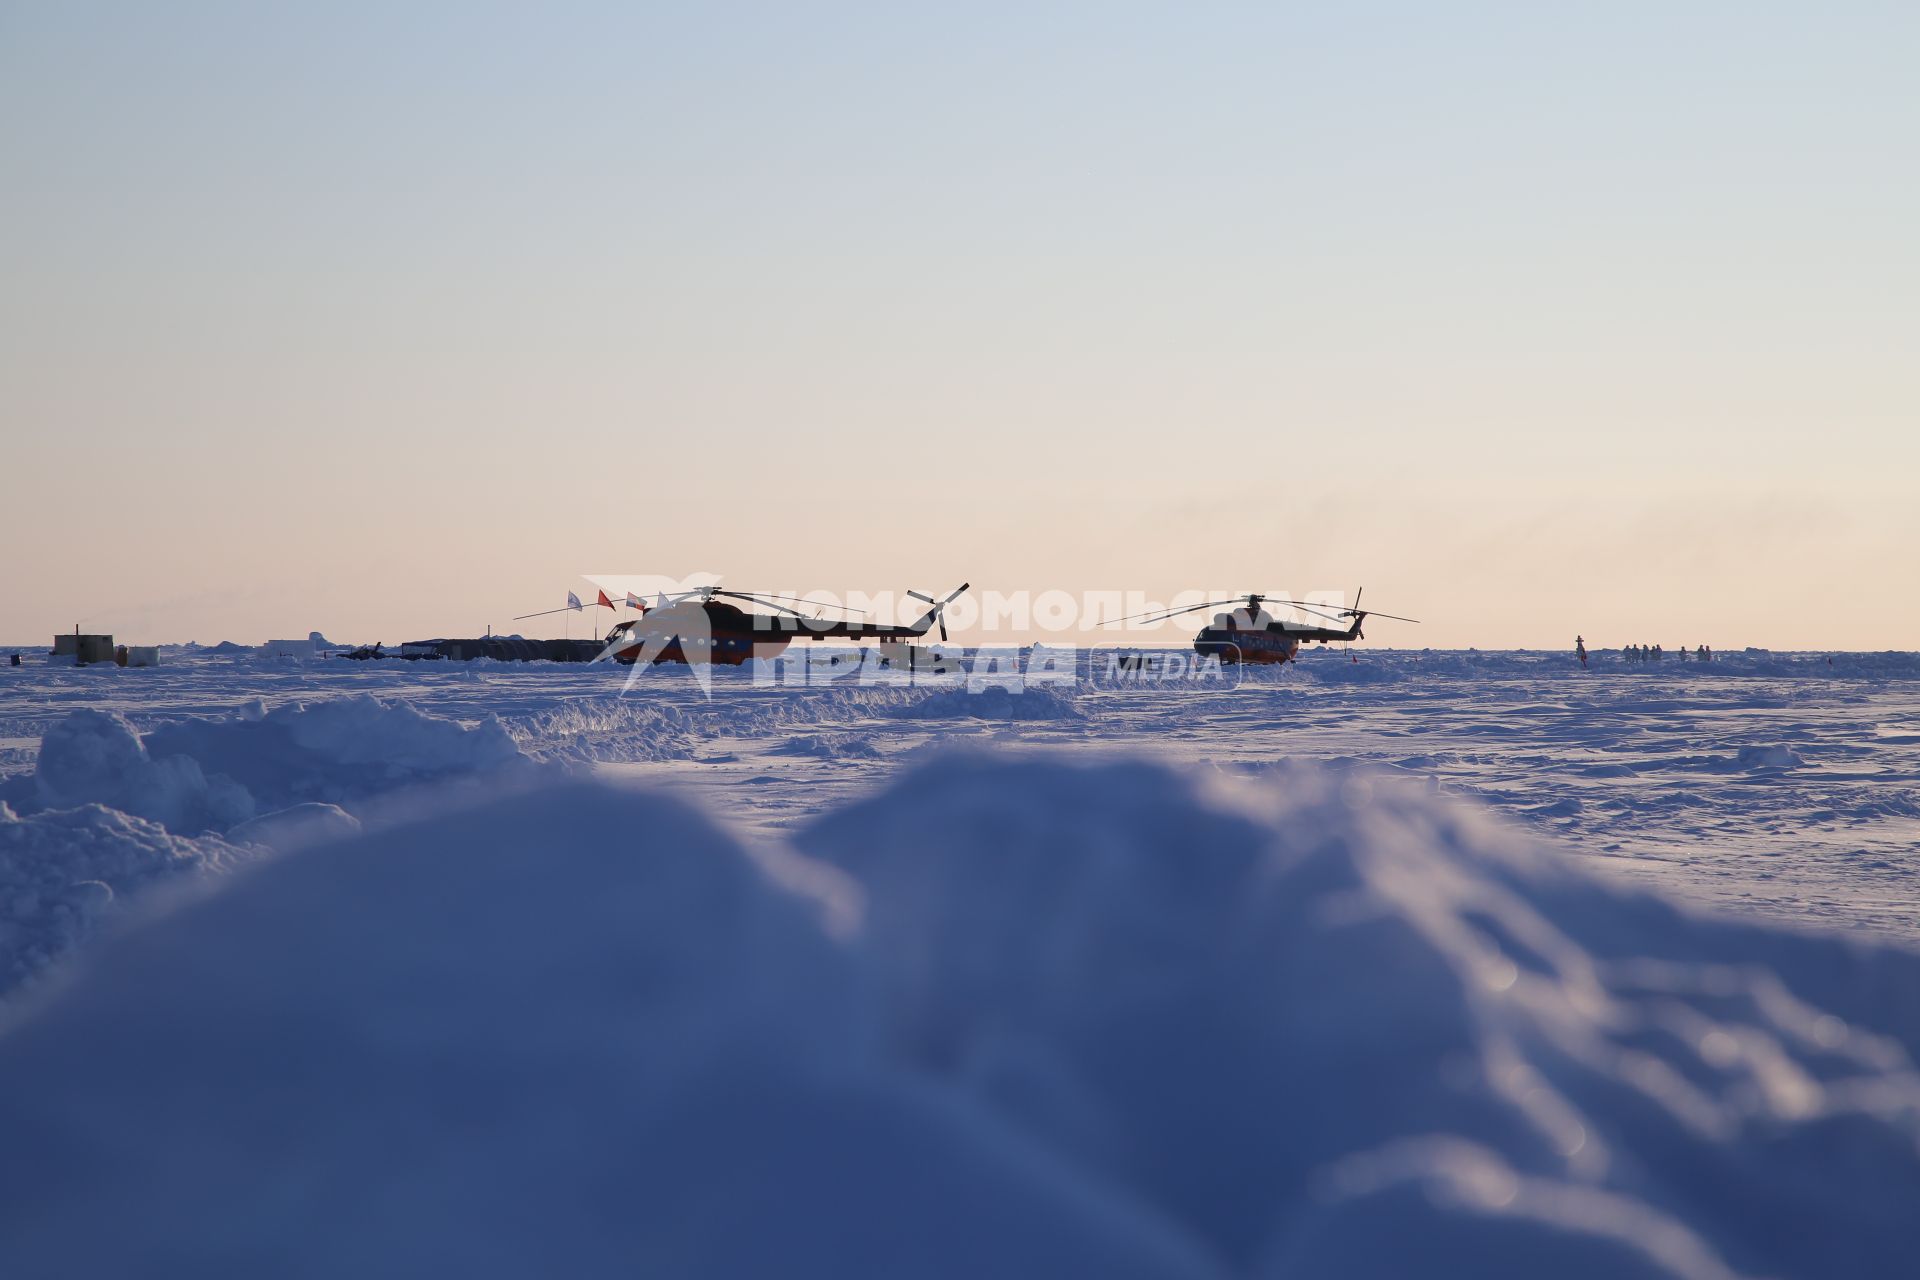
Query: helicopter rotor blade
pixel 1164 614
pixel 1310 608
pixel 938 612
pixel 667 599
pixel 748 596
pixel 1155 616
pixel 1355 612
pixel 818 604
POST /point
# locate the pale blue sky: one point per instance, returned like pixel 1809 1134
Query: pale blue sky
pixel 1534 318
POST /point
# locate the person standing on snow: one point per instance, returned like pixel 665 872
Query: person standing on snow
pixel 1580 649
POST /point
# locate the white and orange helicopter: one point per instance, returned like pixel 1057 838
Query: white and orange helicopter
pixel 1250 634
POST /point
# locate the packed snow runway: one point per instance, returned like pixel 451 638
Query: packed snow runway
pixel 1365 968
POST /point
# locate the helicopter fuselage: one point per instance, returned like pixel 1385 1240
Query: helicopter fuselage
pixel 714 631
pixel 1268 641
pixel 1231 644
pixel 695 631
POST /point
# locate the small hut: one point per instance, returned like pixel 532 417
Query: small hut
pixel 83 648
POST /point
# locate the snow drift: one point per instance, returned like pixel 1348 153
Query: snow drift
pixel 992 702
pixel 571 1033
pixel 209 775
pixel 829 746
pixel 62 873
pixel 1323 1022
pixel 108 814
pixel 1034 1018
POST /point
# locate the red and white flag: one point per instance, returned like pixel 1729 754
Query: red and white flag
pixel 633 602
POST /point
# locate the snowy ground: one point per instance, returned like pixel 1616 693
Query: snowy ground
pixel 1366 969
pixel 1776 784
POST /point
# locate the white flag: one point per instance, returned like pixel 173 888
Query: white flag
pixel 573 601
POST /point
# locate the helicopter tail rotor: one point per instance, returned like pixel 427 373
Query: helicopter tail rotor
pixel 1358 614
pixel 937 614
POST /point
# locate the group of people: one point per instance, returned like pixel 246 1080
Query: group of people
pixel 1654 653
pixel 1643 653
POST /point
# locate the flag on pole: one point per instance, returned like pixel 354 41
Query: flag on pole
pixel 633 602
pixel 573 601
pixel 603 600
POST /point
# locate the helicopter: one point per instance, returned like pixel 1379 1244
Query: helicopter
pixel 705 626
pixel 1249 634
